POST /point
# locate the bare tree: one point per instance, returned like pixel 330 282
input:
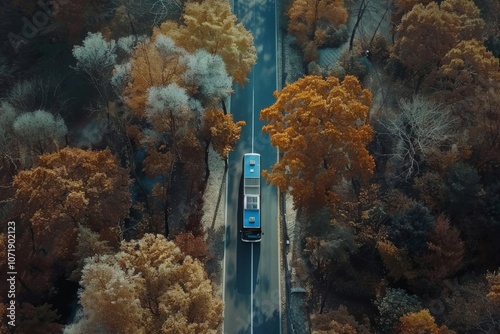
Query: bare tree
pixel 150 13
pixel 423 126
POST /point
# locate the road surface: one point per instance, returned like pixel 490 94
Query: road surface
pixel 252 270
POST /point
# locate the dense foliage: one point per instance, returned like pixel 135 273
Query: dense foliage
pixel 389 142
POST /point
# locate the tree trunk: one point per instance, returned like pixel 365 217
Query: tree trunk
pixel 207 169
pixel 361 11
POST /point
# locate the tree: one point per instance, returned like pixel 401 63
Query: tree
pixel 448 23
pixel 8 116
pixel 77 15
pixel 394 304
pixel 321 127
pixel 206 74
pixel 142 15
pixel 150 286
pixel 494 283
pixel 445 251
pixel 467 66
pixel 420 322
pixel 464 186
pixel 221 130
pixel 307 18
pixel 96 59
pixel 338 321
pixel 403 7
pixel 37 319
pixel 219 34
pixel 89 244
pixel 432 190
pixel 397 261
pixel 155 62
pixel 196 247
pixel 40 131
pixel 71 187
pixel 422 128
pixel 411 229
pixel 469 81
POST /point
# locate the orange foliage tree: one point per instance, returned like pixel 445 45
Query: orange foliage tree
pixel 494 282
pixel 221 131
pixel 219 34
pixel 155 62
pixel 469 79
pixel 445 251
pixel 321 127
pixel 71 187
pixel 196 247
pixel 447 24
pixel 305 18
pixel 403 7
pixel 420 322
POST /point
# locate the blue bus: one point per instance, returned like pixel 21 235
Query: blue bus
pixel 251 229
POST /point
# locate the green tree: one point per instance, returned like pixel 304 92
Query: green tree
pixel 393 305
pixel 410 229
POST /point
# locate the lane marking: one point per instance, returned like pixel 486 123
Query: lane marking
pixel 225 241
pixel 251 288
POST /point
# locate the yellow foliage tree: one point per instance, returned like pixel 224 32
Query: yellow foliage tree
pixel 150 286
pixel 321 127
pixel 420 322
pixel 211 25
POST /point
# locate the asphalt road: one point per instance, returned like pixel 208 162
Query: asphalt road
pixel 251 270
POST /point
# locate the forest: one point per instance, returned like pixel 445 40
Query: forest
pixel 390 152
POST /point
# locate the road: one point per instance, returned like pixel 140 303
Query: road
pixel 252 270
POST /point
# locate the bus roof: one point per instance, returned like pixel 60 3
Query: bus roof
pixel 251 166
pixel 251 219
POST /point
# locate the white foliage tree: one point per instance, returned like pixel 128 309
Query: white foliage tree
pixel 166 45
pixel 423 126
pixel 208 73
pixel 127 44
pixel 170 98
pixel 120 77
pixel 96 59
pixel 39 131
pixel 108 287
pixel 168 108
